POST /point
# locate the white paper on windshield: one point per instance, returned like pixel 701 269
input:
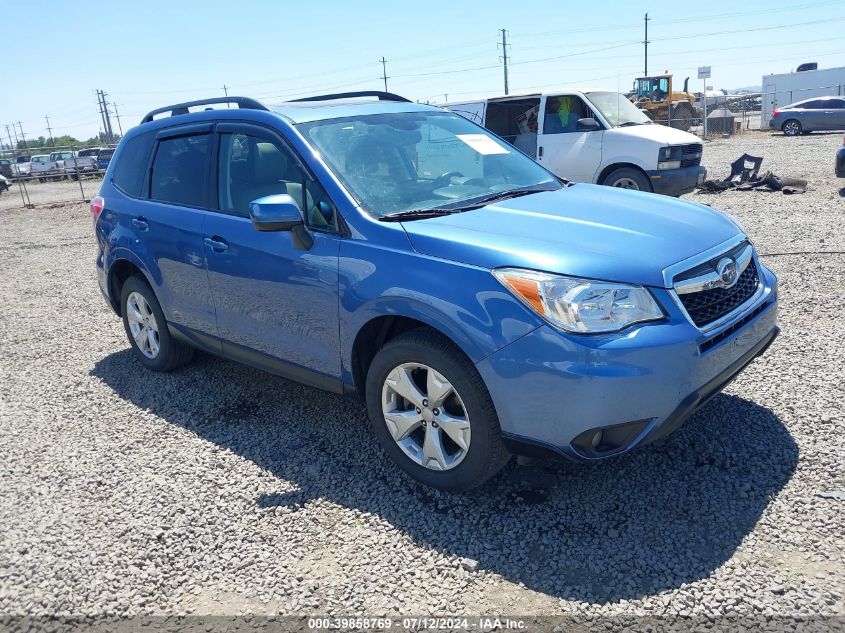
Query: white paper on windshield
pixel 482 144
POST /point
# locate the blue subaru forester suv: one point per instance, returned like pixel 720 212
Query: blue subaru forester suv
pixel 478 304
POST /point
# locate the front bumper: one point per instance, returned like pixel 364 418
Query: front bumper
pixel 840 162
pixel 552 390
pixel 676 182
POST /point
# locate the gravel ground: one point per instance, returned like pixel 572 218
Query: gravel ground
pixel 218 489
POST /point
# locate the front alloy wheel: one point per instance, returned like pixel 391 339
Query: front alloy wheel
pixel 426 416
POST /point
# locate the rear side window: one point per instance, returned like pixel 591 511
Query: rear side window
pixel 180 171
pixel 130 170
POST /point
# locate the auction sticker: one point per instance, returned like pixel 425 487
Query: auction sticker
pixel 482 144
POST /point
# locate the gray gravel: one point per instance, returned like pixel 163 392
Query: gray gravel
pixel 221 490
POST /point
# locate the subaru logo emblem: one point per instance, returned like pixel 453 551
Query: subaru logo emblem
pixel 726 269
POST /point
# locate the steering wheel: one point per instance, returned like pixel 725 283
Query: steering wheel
pixel 443 179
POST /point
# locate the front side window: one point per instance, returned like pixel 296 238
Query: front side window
pixel 180 171
pixel 420 160
pixel 562 114
pixel 251 167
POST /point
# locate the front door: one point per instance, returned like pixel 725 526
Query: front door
pixel 561 147
pixel 276 299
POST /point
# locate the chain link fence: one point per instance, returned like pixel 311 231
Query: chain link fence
pixel 52 175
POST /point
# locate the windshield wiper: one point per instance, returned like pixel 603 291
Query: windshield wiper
pixel 416 214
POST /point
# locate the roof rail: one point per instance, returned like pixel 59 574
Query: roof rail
pixel 182 108
pixel 382 96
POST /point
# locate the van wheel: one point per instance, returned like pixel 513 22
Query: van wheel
pixel 146 328
pixel 432 414
pixel 628 178
pixel 792 127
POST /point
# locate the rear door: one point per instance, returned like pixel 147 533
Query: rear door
pixel 834 113
pixel 276 299
pixel 561 147
pixel 169 228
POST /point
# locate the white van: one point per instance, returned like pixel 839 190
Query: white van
pixel 595 136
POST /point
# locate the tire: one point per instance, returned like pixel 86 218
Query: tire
pixel 682 116
pixel 792 127
pixel 628 178
pixel 159 351
pixel 468 407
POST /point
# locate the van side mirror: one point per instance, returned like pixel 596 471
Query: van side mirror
pixel 587 125
pixel 278 212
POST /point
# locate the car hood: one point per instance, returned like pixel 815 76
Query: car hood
pixel 660 134
pixel 582 230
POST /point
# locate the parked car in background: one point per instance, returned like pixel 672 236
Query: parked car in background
pixel 399 252
pixel 43 166
pixel 810 115
pixel 6 167
pixel 840 161
pixel 81 162
pixel 4 183
pixel 103 158
pixel 593 136
pixel 22 167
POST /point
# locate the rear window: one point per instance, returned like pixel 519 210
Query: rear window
pixel 180 171
pixel 130 169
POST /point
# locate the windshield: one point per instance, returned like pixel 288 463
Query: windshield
pixel 421 160
pixel 616 109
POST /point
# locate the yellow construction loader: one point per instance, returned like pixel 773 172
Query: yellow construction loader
pixel 654 96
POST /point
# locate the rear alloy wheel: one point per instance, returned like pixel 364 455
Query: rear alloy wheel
pixel 628 178
pixel 431 412
pixel 792 127
pixel 146 328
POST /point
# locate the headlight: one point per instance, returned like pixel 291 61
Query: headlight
pixel 581 306
pixel 669 157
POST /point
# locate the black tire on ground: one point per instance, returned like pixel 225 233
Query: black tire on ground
pixel 628 178
pixel 486 454
pixel 792 127
pixel 682 116
pixel 172 353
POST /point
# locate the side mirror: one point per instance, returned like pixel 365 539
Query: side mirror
pixel 278 212
pixel 587 125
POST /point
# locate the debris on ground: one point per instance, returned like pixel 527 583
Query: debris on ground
pixel 745 174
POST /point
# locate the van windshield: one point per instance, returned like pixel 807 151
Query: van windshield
pixel 407 161
pixel 616 109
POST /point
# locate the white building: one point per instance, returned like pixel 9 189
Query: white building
pixel 781 90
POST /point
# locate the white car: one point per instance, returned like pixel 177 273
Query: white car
pixel 594 136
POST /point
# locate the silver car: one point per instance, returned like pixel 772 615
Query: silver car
pixel 810 115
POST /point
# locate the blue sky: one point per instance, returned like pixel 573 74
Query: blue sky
pixel 151 53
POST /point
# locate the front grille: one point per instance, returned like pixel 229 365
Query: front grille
pixel 691 155
pixel 708 306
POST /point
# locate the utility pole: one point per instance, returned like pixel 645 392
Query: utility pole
pixel 505 56
pixel 117 116
pixel 104 113
pixel 15 130
pixel 23 138
pixel 384 71
pixel 49 131
pixel 646 20
pixel 225 90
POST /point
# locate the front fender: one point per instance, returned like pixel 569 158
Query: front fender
pixel 465 303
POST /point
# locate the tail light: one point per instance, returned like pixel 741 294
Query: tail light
pixel 775 112
pixel 97 204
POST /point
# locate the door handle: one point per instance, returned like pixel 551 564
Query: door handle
pixel 540 152
pixel 140 223
pixel 218 245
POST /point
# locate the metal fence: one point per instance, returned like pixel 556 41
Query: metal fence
pixel 66 183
